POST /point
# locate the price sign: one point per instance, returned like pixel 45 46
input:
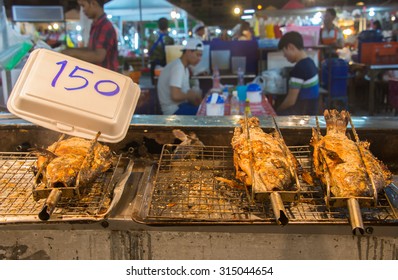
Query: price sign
pixel 72 96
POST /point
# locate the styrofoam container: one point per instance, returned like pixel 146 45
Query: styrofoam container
pixel 254 96
pixel 215 105
pixel 214 109
pixel 75 97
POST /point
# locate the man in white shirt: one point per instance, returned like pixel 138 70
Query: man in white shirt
pixel 174 92
pixel 198 32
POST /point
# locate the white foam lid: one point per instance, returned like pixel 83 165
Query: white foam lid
pixel 75 97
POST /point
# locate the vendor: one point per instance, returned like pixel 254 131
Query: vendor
pixel 175 95
pixel 102 46
pixel 198 32
pixel 303 94
pixel 330 34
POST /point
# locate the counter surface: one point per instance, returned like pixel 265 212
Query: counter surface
pixel 291 122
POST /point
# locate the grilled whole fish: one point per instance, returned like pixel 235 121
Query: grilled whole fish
pixel 338 158
pixel 264 154
pixel 71 162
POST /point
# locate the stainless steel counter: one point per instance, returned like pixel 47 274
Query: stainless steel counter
pixel 119 237
pixel 292 122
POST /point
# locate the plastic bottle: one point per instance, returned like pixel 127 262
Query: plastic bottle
pixel 241 76
pixel 235 106
pixel 216 78
pixel 225 92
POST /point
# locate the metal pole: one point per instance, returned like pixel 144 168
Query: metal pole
pixel 4 32
pixel 3 24
pixel 185 24
pixel 142 37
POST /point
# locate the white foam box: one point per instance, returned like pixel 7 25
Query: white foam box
pixel 75 97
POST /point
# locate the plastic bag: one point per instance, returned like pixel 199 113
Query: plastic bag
pixel 275 82
pixel 13 46
pixel 259 80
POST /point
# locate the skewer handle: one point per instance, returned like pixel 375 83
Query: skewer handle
pixel 279 209
pixel 355 216
pixel 50 204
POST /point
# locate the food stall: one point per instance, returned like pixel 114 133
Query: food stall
pixel 127 231
pixel 161 199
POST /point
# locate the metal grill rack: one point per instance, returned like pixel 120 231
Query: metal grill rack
pixel 17 183
pixel 185 190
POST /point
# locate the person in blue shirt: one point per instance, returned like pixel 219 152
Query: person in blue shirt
pixel 303 94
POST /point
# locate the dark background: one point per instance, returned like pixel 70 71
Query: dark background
pixel 214 12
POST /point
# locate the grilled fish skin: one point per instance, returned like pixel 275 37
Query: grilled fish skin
pixel 338 158
pixel 270 165
pixel 78 161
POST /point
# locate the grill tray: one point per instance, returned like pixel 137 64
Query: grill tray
pixel 17 182
pixel 183 190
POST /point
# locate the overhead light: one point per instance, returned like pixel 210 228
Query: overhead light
pixel 259 7
pixel 246 17
pixel 317 18
pixel 360 4
pixel 236 10
pixel 136 41
pixel 347 32
pixel 173 14
pixel 249 11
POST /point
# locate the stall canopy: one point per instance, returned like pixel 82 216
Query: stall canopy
pixel 293 4
pixel 130 9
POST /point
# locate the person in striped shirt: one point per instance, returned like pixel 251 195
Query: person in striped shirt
pixel 303 94
pixel 102 47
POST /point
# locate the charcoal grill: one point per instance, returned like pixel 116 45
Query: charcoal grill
pixel 181 190
pixel 17 182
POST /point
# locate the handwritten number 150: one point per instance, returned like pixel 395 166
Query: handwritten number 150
pixel 77 73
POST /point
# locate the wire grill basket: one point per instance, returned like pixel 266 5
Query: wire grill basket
pixel 17 183
pixel 186 189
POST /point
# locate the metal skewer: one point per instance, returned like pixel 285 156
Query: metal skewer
pixel 250 196
pixel 364 162
pixel 326 167
pixel 276 200
pixel 286 154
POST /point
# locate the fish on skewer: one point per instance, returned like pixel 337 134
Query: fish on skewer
pixel 265 154
pixel 348 166
pixel 72 162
